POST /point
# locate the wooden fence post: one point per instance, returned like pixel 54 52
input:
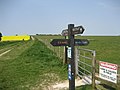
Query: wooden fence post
pixel 118 78
pixel 76 61
pixel 93 70
pixel 65 50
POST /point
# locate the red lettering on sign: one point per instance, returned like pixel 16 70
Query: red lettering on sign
pixel 109 65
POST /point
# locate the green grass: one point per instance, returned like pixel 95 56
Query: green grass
pixel 107 47
pixel 84 87
pixel 35 67
pixel 47 39
pixel 31 65
pixel 16 49
pixel 7 43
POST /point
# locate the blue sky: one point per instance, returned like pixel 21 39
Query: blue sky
pixel 98 17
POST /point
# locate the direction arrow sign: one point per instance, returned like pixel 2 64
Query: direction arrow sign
pixel 59 42
pixel 65 32
pixel 75 30
pixel 81 42
pixel 65 42
pixel 78 30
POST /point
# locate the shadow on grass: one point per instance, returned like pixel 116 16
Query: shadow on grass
pixel 84 87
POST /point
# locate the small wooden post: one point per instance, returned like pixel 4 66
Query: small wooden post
pixel 93 70
pixel 65 48
pixel 118 78
pixel 76 61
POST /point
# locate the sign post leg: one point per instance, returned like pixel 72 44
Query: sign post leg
pixel 72 59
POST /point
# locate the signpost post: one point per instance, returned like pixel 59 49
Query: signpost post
pixel 71 43
pixel 72 59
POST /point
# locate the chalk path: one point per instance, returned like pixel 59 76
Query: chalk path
pixel 5 52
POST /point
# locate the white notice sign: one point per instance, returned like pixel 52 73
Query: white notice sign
pixel 108 71
pixel 69 52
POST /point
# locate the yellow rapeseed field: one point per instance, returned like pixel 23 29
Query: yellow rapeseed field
pixel 15 38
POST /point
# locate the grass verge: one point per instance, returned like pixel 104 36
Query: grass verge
pixel 34 68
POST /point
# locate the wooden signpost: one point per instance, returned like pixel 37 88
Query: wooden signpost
pixel 71 43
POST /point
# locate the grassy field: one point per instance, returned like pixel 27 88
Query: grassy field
pixel 6 44
pixel 47 39
pixel 29 66
pixel 107 47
